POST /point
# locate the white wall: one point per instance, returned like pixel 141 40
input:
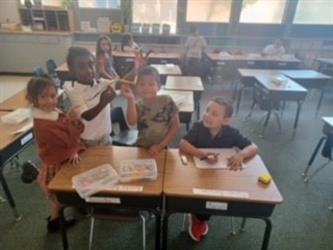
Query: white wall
pixel 9 9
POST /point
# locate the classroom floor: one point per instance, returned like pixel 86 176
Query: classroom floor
pixel 302 221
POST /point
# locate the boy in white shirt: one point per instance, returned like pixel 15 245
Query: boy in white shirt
pixel 275 49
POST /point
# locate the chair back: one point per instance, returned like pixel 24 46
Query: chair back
pixel 39 71
pixel 51 67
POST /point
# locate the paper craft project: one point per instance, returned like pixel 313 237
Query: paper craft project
pixel 222 162
pixel 23 129
pixel 130 170
pixel 16 117
pixel 95 180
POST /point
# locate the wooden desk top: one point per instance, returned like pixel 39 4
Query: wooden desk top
pixel 62 68
pixel 165 55
pixel 6 138
pixel 16 101
pixel 305 74
pixel 252 57
pixel 180 180
pixel 325 60
pixel 255 72
pixel 183 99
pixel 95 156
pixel 328 120
pixel 191 83
pixel 287 86
pixel 167 69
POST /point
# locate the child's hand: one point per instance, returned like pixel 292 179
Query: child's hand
pixel 209 157
pixel 73 114
pixel 107 95
pixel 155 149
pixel 127 92
pixel 235 162
pixel 74 159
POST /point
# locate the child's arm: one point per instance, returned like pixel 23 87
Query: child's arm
pixel 235 162
pixel 106 97
pixel 132 114
pixel 170 135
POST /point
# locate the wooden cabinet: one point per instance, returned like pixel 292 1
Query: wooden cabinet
pixel 51 19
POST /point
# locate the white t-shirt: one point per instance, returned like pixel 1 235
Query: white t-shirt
pixel 270 50
pixel 195 45
pixel 84 97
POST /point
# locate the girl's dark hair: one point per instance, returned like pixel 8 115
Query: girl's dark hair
pixel 36 86
pixel 149 71
pixel 224 103
pixel 125 41
pixel 74 53
pixel 98 45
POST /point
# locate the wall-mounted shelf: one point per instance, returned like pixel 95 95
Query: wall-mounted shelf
pixel 50 19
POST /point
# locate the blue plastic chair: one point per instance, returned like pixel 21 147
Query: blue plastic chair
pixel 51 68
pixel 39 71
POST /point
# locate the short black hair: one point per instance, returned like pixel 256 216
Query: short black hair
pixel 125 40
pixel 224 103
pixel 36 86
pixel 150 71
pixel 74 53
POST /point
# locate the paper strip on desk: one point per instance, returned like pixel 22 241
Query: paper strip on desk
pixel 23 129
pixel 220 193
pixel 125 188
pixel 111 200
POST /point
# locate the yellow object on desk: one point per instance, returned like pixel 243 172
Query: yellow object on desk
pixel 265 178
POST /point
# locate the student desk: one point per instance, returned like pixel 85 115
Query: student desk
pixel 189 83
pixel 325 64
pixel 10 146
pixel 310 79
pixel 287 91
pixel 150 198
pixel 167 70
pixel 188 189
pixel 64 74
pixel 16 101
pixel 184 101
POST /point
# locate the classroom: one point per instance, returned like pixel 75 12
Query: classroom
pixel 166 124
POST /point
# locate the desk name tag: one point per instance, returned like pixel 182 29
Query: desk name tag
pixel 222 193
pixel 125 188
pixel 26 138
pixel 216 205
pixel 110 200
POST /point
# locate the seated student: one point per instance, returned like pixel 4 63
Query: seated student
pixel 128 44
pixel 214 132
pixel 104 58
pixel 275 49
pixel 90 97
pixel 156 116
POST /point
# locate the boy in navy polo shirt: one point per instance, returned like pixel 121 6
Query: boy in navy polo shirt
pixel 214 132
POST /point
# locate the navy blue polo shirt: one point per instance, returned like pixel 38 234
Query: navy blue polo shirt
pixel 200 137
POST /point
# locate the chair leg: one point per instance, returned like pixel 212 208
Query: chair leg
pixel 91 234
pixel 184 223
pixel 243 224
pixel 143 219
pixel 313 156
pixel 233 230
pixel 321 167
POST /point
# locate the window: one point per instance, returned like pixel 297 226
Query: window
pixel 54 3
pixel 262 11
pixel 100 4
pixel 155 12
pixel 208 11
pixel 314 12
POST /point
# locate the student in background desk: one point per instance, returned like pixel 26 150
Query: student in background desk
pixel 57 137
pixel 214 132
pixel 128 44
pixel 90 97
pixel 104 58
pixel 156 116
pixel 275 49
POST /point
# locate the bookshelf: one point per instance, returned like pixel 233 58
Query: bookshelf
pixel 49 19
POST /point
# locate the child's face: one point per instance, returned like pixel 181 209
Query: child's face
pixel 105 45
pixel 84 69
pixel 214 116
pixel 148 87
pixel 47 100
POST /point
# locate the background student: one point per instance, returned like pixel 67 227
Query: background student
pixel 275 49
pixel 90 98
pixel 156 116
pixel 128 44
pixel 214 132
pixel 104 58
pixel 57 137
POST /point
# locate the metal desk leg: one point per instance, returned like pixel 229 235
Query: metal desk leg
pixel 9 196
pixel 299 105
pixel 157 230
pixel 165 231
pixel 239 97
pixel 320 99
pixel 267 234
pixel 63 229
